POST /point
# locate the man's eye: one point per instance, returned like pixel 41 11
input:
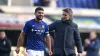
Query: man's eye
pixel 40 12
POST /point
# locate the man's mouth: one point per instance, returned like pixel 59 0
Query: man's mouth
pixel 40 16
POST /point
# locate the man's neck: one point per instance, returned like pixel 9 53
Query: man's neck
pixel 65 19
pixel 38 20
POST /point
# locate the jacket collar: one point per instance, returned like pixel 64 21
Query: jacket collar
pixel 66 21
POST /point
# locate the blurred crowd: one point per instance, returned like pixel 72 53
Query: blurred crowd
pixel 63 3
pixel 68 3
pixel 41 2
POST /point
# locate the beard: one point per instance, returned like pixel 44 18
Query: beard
pixel 39 17
pixel 64 19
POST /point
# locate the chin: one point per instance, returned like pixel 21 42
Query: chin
pixel 40 18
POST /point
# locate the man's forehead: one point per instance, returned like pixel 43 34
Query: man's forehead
pixel 40 11
pixel 65 12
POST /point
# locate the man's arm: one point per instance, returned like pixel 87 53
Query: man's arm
pixel 48 39
pixel 48 42
pixel 52 26
pixel 92 46
pixel 20 41
pixel 87 41
pixel 77 38
pixel 22 37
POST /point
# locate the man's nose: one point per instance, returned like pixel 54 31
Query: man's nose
pixel 41 14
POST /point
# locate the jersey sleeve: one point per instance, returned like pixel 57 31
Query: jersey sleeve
pixel 46 30
pixel 25 28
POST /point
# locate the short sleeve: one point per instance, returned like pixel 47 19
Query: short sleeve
pixel 46 30
pixel 25 28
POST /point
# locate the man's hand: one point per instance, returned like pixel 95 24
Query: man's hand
pixel 50 52
pixel 17 50
pixel 79 54
pixel 87 41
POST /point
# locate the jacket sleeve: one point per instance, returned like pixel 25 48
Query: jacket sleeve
pixel 91 46
pixel 7 48
pixel 52 26
pixel 77 39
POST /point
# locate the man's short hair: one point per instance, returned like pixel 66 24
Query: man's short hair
pixel 38 8
pixel 68 10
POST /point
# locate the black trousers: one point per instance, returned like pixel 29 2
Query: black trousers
pixel 64 55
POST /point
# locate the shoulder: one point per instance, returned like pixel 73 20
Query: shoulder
pixel 74 24
pixel 7 39
pixel 29 21
pixel 44 23
pixel 97 39
pixel 56 22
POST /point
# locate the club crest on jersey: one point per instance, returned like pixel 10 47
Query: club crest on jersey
pixel 33 25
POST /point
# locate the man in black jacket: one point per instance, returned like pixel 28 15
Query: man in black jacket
pixel 66 35
pixel 5 45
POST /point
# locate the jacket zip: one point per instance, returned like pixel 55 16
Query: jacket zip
pixel 65 38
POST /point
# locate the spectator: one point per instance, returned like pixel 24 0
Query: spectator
pixel 41 3
pixel 5 45
pixel 92 45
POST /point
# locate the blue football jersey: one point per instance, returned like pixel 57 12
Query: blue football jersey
pixel 35 33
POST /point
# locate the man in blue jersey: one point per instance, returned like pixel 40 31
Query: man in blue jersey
pixel 36 31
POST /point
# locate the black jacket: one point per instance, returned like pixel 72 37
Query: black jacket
pixel 66 37
pixel 5 47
